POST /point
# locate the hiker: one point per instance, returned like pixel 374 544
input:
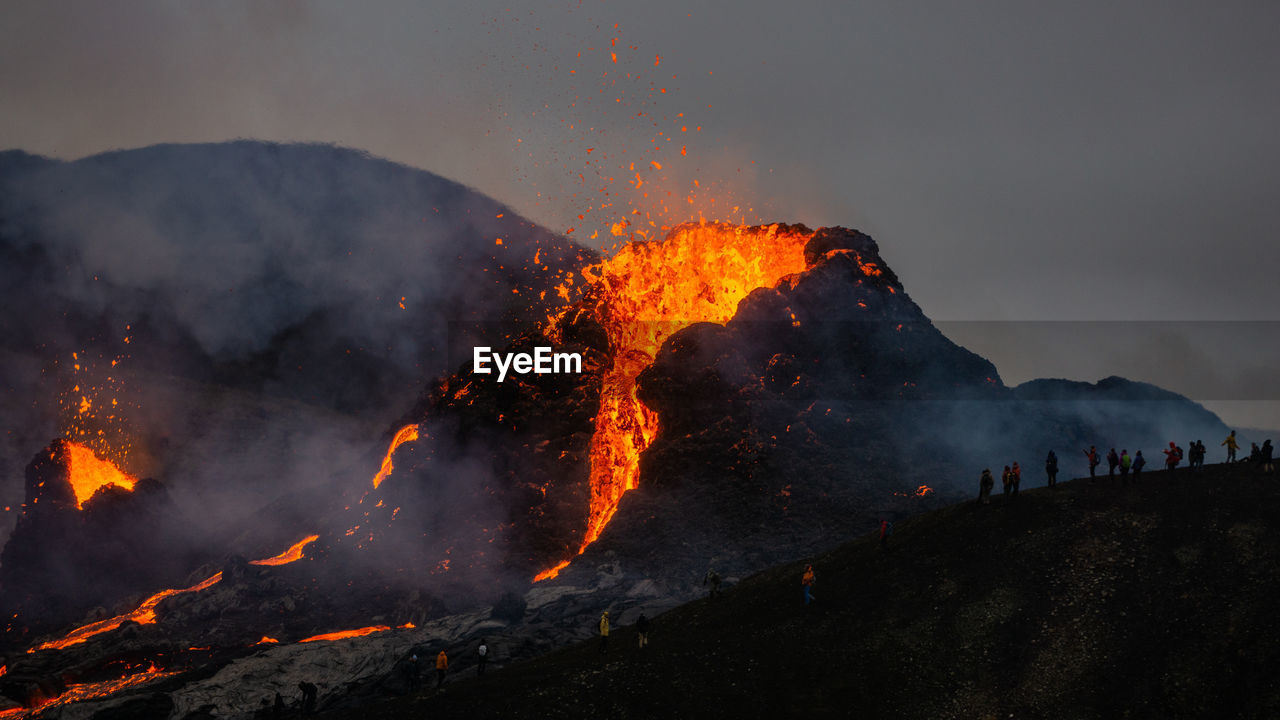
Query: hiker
pixel 1172 457
pixel 410 670
pixel 309 692
pixel 1194 456
pixel 1255 453
pixel 1092 454
pixel 1126 462
pixel 604 632
pixel 442 668
pixel 806 582
pixel 1051 468
pixel 1006 479
pixel 1113 461
pixel 278 708
pixel 482 657
pixel 1016 474
pixel 1139 462
pixel 886 527
pixel 713 578
pixel 1232 446
pixel 984 486
pixel 642 630
pixel 1264 455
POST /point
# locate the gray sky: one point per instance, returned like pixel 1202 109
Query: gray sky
pixel 1097 161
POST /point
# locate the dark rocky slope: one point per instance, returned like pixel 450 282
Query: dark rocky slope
pixel 1088 601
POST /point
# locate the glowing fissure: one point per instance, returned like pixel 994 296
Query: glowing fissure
pixel 88 473
pixel 645 293
pixel 408 433
pixel 145 614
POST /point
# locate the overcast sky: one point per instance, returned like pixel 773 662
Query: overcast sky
pixel 1097 161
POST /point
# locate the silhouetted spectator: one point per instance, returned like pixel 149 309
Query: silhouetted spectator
pixel 278 708
pixel 1113 461
pixel 482 657
pixel 1051 468
pixel 1016 473
pixel 642 630
pixel 1139 462
pixel 1232 446
pixel 1172 457
pixel 1006 479
pixel 309 692
pixel 1264 456
pixel 886 527
pixel 712 578
pixel 604 632
pixel 1094 461
pixel 442 668
pixel 985 484
pixel 806 583
pixel 1126 462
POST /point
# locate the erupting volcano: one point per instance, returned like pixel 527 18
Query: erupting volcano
pixel 88 473
pixel 642 295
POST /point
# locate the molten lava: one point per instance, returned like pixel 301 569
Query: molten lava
pixel 645 293
pixel 145 614
pixel 292 554
pixel 88 473
pixel 359 632
pixel 408 433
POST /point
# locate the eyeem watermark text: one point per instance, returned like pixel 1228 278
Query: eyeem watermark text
pixel 541 362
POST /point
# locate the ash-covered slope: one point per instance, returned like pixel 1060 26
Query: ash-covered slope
pixel 1088 601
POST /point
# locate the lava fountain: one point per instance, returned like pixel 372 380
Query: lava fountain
pixel 645 293
pixel 88 473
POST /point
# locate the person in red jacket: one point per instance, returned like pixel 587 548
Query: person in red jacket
pixel 1172 457
pixel 1092 454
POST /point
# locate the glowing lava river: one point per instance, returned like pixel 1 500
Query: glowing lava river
pixel 644 294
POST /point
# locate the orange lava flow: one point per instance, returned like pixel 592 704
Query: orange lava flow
pixel 87 473
pixel 145 614
pixel 267 641
pixel 358 632
pixel 293 554
pixel 87 691
pixel 408 433
pixel 646 292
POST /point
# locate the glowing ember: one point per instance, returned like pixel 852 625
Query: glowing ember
pixel 359 632
pixel 145 614
pixel 292 554
pixel 88 473
pixel 267 641
pixel 408 433
pixel 648 291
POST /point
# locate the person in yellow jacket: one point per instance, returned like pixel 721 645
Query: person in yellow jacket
pixel 604 632
pixel 442 668
pixel 1232 446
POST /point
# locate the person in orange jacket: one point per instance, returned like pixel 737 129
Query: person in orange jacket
pixel 442 668
pixel 806 582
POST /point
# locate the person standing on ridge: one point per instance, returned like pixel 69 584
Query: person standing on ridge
pixel 1016 475
pixel 806 583
pixel 442 668
pixel 984 486
pixel 1006 479
pixel 1051 468
pixel 309 692
pixel 1172 457
pixel 1264 456
pixel 604 632
pixel 1113 461
pixel 886 527
pixel 1126 462
pixel 1092 454
pixel 1232 446
pixel 482 657
pixel 1139 462
pixel 712 578
pixel 642 631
